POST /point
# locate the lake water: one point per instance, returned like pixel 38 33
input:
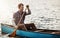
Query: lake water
pixel 45 14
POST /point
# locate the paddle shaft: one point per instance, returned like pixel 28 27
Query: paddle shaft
pixel 14 32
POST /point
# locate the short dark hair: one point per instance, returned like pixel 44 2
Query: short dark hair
pixel 19 5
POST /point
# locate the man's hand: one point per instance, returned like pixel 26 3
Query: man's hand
pixel 20 25
pixel 15 27
pixel 27 10
pixel 27 6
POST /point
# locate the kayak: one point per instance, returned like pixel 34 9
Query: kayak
pixel 31 34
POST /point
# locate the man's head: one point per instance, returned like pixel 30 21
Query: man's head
pixel 20 7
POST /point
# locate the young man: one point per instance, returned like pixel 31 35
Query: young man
pixel 17 16
pixel 20 15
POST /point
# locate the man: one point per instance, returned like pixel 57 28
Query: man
pixel 17 16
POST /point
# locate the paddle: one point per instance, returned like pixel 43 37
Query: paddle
pixel 13 34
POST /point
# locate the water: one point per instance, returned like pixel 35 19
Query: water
pixel 45 13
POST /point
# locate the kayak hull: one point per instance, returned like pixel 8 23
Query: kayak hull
pixel 29 34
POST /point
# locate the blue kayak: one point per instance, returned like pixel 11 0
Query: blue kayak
pixel 29 34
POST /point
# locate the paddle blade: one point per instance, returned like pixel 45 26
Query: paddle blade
pixel 13 34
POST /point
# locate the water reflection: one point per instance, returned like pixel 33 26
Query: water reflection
pixel 45 22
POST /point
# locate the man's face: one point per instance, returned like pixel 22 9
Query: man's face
pixel 21 8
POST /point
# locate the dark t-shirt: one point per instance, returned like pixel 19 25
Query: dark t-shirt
pixel 17 16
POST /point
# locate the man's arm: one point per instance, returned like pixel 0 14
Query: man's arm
pixel 29 12
pixel 14 17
